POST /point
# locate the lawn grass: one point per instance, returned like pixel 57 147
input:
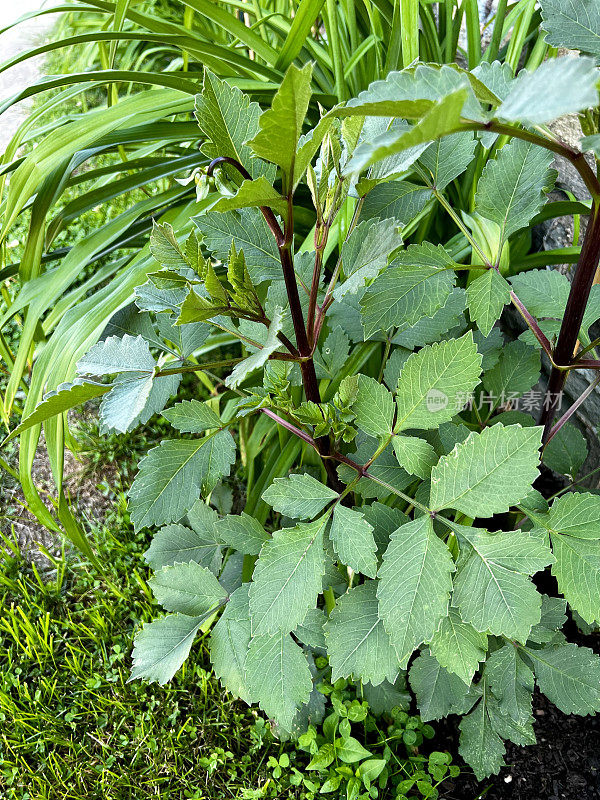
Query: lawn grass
pixel 72 727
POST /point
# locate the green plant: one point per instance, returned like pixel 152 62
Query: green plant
pixel 389 539
pixel 139 152
pixel 75 728
pixel 378 543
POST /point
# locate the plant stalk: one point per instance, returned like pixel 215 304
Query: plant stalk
pixel 572 319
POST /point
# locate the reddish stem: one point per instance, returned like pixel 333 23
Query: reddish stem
pixel 572 319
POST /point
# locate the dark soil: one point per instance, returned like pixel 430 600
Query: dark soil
pixel 563 765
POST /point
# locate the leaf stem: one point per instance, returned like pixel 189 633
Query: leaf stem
pixel 572 318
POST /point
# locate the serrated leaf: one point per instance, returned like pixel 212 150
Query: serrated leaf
pixel 387 97
pixel 574 24
pixel 573 514
pixel 518 731
pixel 566 451
pixel 511 188
pixel 243 533
pixel 436 383
pixel 577 570
pixel 486 296
pixel 437 690
pixel 352 538
pixel 122 406
pixel 487 473
pixel 192 416
pixel 165 247
pixel 380 130
pixel 569 676
pixel 384 521
pixel 287 577
pixel 61 399
pixel 517 370
pixel 133 322
pixel 511 681
pixel 414 585
pixel 228 119
pixel 127 354
pixel 278 676
pixel 416 284
pixel 480 745
pixel 260 357
pixel 458 647
pixel 552 620
pixel 280 126
pixel 492 588
pixel 229 642
pixel 250 232
pixel 441 118
pixel 365 253
pixel 373 407
pixel 430 329
pixel 161 647
pixel 299 496
pixel 332 356
pixel 187 589
pixel 311 632
pixel 557 87
pixel 448 157
pixel 172 475
pixel 178 543
pixel 357 643
pixel 400 200
pixel 386 696
pixel 252 193
pixel 149 298
pixel 416 455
